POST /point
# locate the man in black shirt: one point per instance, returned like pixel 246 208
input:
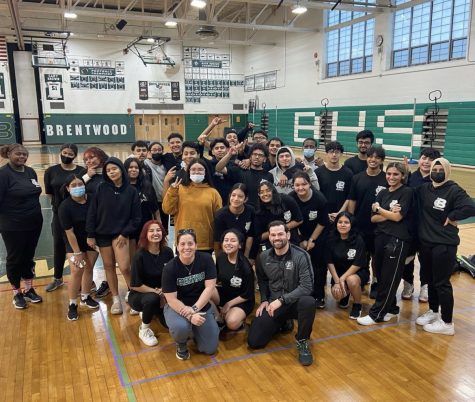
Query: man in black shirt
pixel 334 180
pixel 357 163
pixel 365 186
pixel 285 282
pixel 251 177
pixel 173 158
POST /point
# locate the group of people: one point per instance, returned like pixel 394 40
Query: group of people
pixel 262 212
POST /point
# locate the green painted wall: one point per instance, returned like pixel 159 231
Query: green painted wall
pixel 7 129
pixel 88 128
pixel 396 127
pixel 196 123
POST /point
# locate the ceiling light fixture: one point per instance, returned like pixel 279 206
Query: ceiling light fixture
pixel 150 40
pixel 299 9
pixel 171 24
pixel 198 3
pixel 70 15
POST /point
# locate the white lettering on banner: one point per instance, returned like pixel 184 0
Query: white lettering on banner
pixel 87 129
pixel 123 129
pixel 69 130
pixel 49 130
pixel 105 130
pixel 78 129
pixel 59 130
pixel 97 129
pixel 115 129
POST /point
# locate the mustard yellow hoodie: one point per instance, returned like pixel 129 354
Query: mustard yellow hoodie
pixel 194 207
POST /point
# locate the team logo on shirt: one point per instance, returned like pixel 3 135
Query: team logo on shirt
pixel 312 215
pixel 236 282
pixel 247 226
pixel 35 183
pixel 351 254
pixel 289 265
pixel 392 204
pixel 440 204
pixel 287 216
pixel 378 189
pixel 189 280
pixel 340 185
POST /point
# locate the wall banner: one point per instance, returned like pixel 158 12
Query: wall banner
pixel 54 86
pixel 2 86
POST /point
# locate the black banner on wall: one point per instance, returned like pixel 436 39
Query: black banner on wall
pixel 143 90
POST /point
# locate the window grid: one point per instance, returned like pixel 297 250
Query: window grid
pixel 430 32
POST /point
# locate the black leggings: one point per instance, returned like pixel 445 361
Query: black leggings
pixel 439 261
pixel 21 248
pixel 148 304
pixel 59 248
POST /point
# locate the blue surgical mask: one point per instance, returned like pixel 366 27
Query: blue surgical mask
pixel 308 152
pixel 77 191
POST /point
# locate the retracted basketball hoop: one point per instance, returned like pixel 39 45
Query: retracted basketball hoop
pixel 151 50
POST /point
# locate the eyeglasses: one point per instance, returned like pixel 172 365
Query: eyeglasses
pixel 186 231
pixel 260 138
pixel 258 155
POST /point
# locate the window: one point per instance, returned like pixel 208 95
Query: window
pixel 430 32
pixel 349 49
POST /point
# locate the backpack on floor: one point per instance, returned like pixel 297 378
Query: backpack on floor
pixel 467 264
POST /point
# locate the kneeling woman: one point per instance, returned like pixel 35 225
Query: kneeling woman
pixel 146 282
pixel 72 217
pixel 391 214
pixel 235 296
pixel 188 281
pixel 346 261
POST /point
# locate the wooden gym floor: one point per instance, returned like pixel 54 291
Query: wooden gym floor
pixel 44 357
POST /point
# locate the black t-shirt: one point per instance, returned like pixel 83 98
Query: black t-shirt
pixel 314 211
pixel 236 279
pixel 73 215
pixel 20 208
pixel 221 182
pixel 147 268
pixel 356 165
pixel 345 253
pixel 251 178
pixel 225 219
pixel 188 281
pixel 364 189
pixel 55 177
pixel 403 196
pixel 335 186
pixel 93 184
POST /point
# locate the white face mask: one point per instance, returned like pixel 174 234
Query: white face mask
pixel 197 178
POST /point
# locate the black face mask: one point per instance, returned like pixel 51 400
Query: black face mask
pixel 157 157
pixel 437 177
pixel 66 159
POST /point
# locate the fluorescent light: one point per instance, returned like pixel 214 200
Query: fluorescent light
pixel 171 24
pixel 198 3
pixel 70 16
pixel 299 9
pixel 150 40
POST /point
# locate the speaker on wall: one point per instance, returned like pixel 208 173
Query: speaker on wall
pixel 121 24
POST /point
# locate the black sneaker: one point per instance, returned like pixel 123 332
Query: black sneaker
pixel 345 302
pixel 287 327
pixel 32 296
pixel 182 351
pixel 103 290
pixel 89 302
pixel 305 354
pixel 73 312
pixel 355 311
pixel 320 303
pixel 19 301
pixel 373 291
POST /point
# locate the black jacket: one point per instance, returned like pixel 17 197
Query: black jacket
pixel 114 210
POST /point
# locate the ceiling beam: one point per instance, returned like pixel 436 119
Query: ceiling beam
pixel 15 15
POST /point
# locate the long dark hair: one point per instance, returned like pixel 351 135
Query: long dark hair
pixel 335 235
pixel 207 179
pixel 238 186
pixel 63 190
pixel 143 183
pixel 303 175
pixel 275 206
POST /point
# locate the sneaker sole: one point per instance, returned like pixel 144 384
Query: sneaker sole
pixel 53 289
pixel 343 307
pixel 150 345
pixel 354 318
pixel 19 307
pixel 182 358
pixel 406 297
pixel 72 319
pixel 88 306
pixel 32 300
pixel 423 300
pixel 452 333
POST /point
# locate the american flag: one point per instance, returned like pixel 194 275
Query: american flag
pixel 3 49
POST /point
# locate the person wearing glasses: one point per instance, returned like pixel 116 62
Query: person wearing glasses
pixel 193 202
pixel 250 177
pixel 188 282
pixel 357 163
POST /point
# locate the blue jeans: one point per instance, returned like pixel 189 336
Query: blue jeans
pixel 206 336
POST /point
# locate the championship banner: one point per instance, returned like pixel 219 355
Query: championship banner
pixel 54 86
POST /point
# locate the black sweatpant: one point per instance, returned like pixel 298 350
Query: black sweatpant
pixel 319 270
pixel 149 305
pixel 59 248
pixel 21 248
pixel 389 256
pixel 163 216
pixel 439 260
pixel 408 272
pixel 264 327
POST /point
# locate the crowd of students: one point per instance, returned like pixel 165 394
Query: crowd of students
pixel 261 211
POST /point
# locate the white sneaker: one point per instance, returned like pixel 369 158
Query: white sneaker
pixel 366 320
pixel 424 294
pixel 133 312
pixel 427 318
pixel 116 308
pixel 147 336
pixel 440 327
pixel 407 291
pixel 389 316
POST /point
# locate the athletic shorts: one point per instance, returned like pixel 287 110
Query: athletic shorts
pixel 105 240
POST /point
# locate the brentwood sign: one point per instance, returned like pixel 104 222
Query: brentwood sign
pixel 87 129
